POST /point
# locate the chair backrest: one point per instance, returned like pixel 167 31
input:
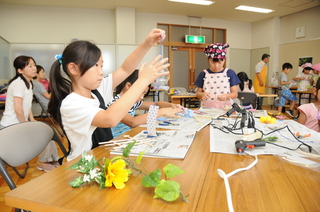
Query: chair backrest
pixel 247 97
pixel 24 141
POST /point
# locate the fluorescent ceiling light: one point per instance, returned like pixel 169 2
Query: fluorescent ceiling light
pixel 201 2
pixel 254 9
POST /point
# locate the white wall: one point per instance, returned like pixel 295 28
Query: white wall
pixel 309 18
pixel 34 24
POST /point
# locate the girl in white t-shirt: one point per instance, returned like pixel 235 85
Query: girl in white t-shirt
pixel 18 106
pixel 73 102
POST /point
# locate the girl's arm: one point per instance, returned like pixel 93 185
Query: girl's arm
pixel 133 60
pixel 31 118
pixel 145 105
pixel 142 119
pixel 118 110
pixel 18 109
pixel 46 95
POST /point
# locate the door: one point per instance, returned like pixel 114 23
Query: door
pixel 188 63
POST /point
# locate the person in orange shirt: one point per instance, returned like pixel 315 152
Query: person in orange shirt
pixel 260 78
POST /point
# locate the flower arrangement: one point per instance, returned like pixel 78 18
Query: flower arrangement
pixel 116 172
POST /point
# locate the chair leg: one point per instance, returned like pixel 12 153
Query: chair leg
pixel 24 172
pixel 55 126
pixel 6 175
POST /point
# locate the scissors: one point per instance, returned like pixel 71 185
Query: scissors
pixel 167 123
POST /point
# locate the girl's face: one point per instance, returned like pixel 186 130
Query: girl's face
pixel 141 97
pixel 143 94
pixel 92 78
pixel 41 74
pixel 29 71
pixel 307 72
pixel 216 66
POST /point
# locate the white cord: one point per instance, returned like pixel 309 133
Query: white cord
pixel 226 182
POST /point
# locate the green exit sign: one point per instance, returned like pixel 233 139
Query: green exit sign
pixel 194 39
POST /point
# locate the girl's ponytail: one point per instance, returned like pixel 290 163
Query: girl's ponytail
pixel 60 88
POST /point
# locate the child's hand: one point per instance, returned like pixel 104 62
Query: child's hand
pixel 153 70
pixel 205 96
pixel 169 112
pixel 154 36
pixel 223 97
pixel 176 106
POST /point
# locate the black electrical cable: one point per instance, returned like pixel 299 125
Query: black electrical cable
pixel 252 122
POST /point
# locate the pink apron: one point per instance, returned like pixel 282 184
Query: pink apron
pixel 215 85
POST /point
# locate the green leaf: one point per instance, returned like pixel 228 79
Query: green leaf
pixel 75 166
pixel 106 164
pixel 152 180
pixel 138 159
pixel 171 170
pixel 76 183
pixel 127 149
pixel 116 158
pixel 168 190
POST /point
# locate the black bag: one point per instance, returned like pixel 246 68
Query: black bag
pixel 100 134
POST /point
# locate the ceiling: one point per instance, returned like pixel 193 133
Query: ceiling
pixel 221 9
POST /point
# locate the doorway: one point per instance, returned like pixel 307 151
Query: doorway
pixel 188 63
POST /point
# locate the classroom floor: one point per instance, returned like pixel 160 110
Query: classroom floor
pixel 33 172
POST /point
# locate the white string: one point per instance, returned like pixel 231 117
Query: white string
pixel 226 182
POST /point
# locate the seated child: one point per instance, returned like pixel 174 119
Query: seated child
pixel 130 120
pixel 285 92
pixel 309 113
pixel 39 90
pixel 245 85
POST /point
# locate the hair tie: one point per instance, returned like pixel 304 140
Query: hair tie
pixel 59 58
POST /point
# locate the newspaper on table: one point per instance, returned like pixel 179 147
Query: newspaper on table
pixel 167 144
pixel 223 142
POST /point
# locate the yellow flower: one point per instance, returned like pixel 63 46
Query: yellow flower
pixel 267 120
pixel 116 174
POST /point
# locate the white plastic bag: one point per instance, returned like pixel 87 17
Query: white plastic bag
pixel 274 80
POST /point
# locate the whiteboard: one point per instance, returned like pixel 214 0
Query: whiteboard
pixel 43 54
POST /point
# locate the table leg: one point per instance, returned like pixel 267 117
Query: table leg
pixel 258 103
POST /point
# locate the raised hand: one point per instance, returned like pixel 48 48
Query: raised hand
pixel 153 70
pixel 156 35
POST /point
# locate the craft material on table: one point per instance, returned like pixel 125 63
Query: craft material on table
pixel 167 144
pixel 219 143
